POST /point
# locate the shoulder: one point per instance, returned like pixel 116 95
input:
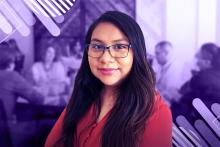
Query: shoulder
pixel 37 65
pixel 160 108
pixel 158 128
pixel 205 73
pixel 58 65
pixel 202 76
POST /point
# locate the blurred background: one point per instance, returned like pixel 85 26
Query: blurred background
pixel 46 47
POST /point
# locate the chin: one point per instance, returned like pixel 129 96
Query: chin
pixel 109 82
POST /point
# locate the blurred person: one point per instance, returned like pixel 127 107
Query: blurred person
pixel 50 77
pixel 204 83
pixel 77 50
pixel 114 102
pixel 72 56
pixel 12 84
pixel 19 56
pixel 72 60
pixel 168 73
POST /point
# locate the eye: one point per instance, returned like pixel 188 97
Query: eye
pixel 96 46
pixel 120 46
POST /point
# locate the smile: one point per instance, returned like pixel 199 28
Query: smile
pixel 107 71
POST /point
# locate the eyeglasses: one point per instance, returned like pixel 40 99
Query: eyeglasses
pixel 116 50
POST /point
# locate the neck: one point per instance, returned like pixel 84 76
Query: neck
pixel 108 96
pixel 47 65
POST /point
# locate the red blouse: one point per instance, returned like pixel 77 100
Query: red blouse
pixel 158 129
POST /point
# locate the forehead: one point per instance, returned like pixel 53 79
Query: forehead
pixel 163 49
pixel 50 49
pixel 108 32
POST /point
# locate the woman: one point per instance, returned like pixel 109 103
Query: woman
pixel 50 77
pixel 114 103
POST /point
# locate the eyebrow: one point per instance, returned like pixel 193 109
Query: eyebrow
pixel 97 40
pixel 114 41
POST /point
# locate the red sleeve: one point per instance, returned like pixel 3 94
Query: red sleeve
pixel 56 131
pixel 158 130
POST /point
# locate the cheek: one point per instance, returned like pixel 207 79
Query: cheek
pixel 126 65
pixel 92 65
pixel 160 57
pixel 202 64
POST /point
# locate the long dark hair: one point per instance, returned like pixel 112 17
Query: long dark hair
pixel 134 102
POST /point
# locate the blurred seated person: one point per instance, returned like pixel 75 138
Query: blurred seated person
pixel 19 56
pixel 71 59
pixel 204 83
pixel 168 76
pixel 12 84
pixel 50 77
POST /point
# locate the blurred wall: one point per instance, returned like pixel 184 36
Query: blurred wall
pixel 207 21
pixel 187 24
pixel 218 22
pixel 151 16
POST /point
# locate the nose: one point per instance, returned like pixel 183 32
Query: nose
pixel 106 57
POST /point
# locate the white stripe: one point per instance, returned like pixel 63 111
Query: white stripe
pixel 54 8
pixel 191 137
pixel 69 2
pixel 38 7
pixel 58 6
pixel 5 25
pixel 23 11
pixel 15 19
pixel 30 6
pixel 64 4
pixel 48 10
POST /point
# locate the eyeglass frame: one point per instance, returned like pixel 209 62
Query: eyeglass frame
pixel 107 48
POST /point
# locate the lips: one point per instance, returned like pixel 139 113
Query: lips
pixel 107 71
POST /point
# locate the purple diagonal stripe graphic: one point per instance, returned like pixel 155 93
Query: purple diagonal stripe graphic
pixel 23 12
pixel 216 110
pixel 58 6
pixel 5 25
pixel 69 2
pixel 15 20
pixel 36 5
pixel 64 4
pixel 207 133
pixel 53 7
pixel 46 8
pixel 47 21
pixel 180 138
pixel 175 143
pixel 195 137
pixel 206 114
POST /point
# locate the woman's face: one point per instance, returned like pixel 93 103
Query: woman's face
pixel 109 70
pixel 202 62
pixel 50 55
